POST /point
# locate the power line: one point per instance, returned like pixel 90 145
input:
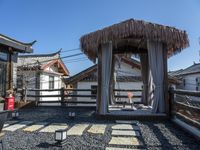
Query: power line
pixel 69 50
pixel 64 57
pixel 75 59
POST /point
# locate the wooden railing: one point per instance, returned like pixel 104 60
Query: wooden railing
pixel 65 94
pixel 185 105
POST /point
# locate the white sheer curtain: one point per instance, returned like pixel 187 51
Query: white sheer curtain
pixel 144 71
pixel 107 55
pixel 155 53
pixel 147 92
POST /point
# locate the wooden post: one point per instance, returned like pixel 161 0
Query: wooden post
pixel 10 69
pixel 98 101
pixel 25 95
pixel 62 93
pixel 171 100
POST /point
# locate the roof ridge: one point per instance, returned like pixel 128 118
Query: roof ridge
pixel 23 43
pixel 41 55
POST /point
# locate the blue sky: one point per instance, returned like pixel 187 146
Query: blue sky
pixel 59 24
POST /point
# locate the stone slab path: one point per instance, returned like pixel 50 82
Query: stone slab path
pixel 126 122
pixel 18 126
pixel 117 148
pixel 125 133
pixel 125 127
pixel 36 126
pixel 124 141
pixel 53 127
pixel 77 129
pixel 97 129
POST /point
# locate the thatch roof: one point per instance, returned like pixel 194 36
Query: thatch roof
pixel 135 33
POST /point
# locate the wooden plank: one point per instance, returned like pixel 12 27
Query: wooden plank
pixel 186 92
pixel 48 90
pixel 188 120
pixel 41 102
pixel 128 90
pixel 187 107
pixel 80 95
pixel 80 102
pixel 80 90
pixel 125 96
pixel 43 95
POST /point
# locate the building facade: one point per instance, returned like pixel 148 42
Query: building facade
pixel 9 49
pixel 41 71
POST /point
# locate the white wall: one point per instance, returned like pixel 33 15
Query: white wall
pixel 190 81
pixel 120 85
pixel 44 84
pixel 126 70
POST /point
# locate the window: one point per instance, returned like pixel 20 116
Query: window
pixel 3 74
pixel 94 90
pixel 184 82
pixel 3 56
pixel 19 81
pixel 198 84
pixel 51 82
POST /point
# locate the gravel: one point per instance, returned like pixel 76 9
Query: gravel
pixel 154 135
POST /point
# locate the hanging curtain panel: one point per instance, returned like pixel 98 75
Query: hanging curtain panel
pixel 145 74
pixel 106 73
pixel 156 64
pixel 147 92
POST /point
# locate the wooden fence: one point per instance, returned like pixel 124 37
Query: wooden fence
pixel 66 95
pixel 185 105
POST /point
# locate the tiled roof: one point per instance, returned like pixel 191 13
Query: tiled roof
pixel 195 68
pixel 16 45
pixel 37 59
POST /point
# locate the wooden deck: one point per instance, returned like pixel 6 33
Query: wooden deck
pixel 118 112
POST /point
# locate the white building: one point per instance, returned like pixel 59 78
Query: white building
pixel 190 77
pixel 41 71
pixel 128 76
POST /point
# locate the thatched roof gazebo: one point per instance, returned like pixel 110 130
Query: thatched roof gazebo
pixel 153 42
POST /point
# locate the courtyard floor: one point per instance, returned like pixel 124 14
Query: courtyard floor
pixel 35 128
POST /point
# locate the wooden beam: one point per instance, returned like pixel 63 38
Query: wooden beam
pixel 129 49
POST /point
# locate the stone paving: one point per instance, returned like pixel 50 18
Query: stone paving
pixel 77 129
pixel 33 132
pixel 97 129
pixel 36 126
pixel 53 127
pixel 125 127
pixel 119 130
pixel 17 126
pixel 125 133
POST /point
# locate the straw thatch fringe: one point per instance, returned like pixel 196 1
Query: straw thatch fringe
pixel 175 39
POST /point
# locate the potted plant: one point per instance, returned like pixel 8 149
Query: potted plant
pixel 2 103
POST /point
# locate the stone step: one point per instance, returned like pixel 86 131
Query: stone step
pixel 117 148
pixel 125 127
pixel 126 121
pixel 125 133
pixel 97 129
pixel 77 129
pixel 53 127
pixel 124 141
pixel 18 126
pixel 36 126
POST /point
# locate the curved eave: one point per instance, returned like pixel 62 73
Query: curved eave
pixel 16 45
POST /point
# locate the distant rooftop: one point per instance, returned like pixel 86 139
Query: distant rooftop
pixel 16 45
pixel 195 68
